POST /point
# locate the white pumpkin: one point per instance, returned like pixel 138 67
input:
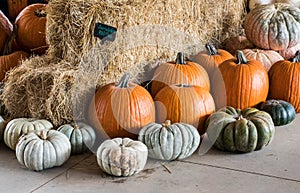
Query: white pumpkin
pixel 81 136
pixel 122 156
pixel 16 127
pixel 39 150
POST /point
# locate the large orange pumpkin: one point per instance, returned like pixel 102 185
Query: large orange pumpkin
pixel 184 104
pixel 244 81
pixel 5 31
pixel 31 28
pixel 179 71
pixel 285 81
pixel 121 110
pixel 211 58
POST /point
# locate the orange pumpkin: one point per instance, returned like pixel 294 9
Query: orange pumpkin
pixel 285 81
pixel 234 43
pixel 211 58
pixel 121 110
pixel 5 31
pixel 179 71
pixel 244 81
pixel 184 104
pixel 8 62
pixel 266 57
pixel 31 28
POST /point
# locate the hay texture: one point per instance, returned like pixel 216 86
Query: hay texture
pixel 70 23
pixel 59 85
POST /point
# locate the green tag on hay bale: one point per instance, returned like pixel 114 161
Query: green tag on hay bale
pixel 105 32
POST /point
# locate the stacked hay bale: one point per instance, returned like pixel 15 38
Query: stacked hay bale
pixel 59 85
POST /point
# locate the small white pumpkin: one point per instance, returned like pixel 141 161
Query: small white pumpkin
pixel 81 136
pixel 170 141
pixel 16 127
pixel 122 156
pixel 39 150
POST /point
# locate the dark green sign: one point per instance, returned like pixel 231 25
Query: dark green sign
pixel 105 32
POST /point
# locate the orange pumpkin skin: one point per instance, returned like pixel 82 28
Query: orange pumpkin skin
pixel 211 58
pixel 184 104
pixel 179 72
pixel 245 83
pixel 8 62
pixel 5 31
pixel 31 28
pixel 234 43
pixel 285 82
pixel 266 57
pixel 121 111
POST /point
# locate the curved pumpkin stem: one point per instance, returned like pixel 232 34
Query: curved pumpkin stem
pixel 211 49
pixel 241 58
pixel 8 44
pixel 180 58
pixel 124 81
pixel 297 57
pixel 43 134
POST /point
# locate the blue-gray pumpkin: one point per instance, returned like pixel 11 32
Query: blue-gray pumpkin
pixel 170 141
pixel 82 136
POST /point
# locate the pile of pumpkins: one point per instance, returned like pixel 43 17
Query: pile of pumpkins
pixel 23 37
pixel 236 100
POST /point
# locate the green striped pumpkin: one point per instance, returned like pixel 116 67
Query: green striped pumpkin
pixel 80 135
pixel 282 112
pixel 247 130
pixel 170 141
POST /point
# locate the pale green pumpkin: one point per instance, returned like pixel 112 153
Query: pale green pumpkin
pixel 170 141
pixel 39 150
pixel 16 127
pixel 81 136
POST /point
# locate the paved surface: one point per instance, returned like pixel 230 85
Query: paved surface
pixel 275 169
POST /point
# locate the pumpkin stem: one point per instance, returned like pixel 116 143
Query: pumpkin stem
pixel 8 44
pixel 167 123
pixel 297 57
pixel 40 13
pixel 124 81
pixel 241 58
pixel 43 134
pixel 180 58
pixel 211 49
pixel 75 125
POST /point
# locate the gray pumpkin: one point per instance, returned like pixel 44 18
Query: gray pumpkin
pixel 81 136
pixel 16 127
pixel 122 156
pixel 170 141
pixel 39 150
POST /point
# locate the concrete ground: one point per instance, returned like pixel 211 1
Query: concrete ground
pixel 275 169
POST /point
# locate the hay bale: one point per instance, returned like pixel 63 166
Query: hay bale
pixel 70 23
pixel 69 98
pixel 27 87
